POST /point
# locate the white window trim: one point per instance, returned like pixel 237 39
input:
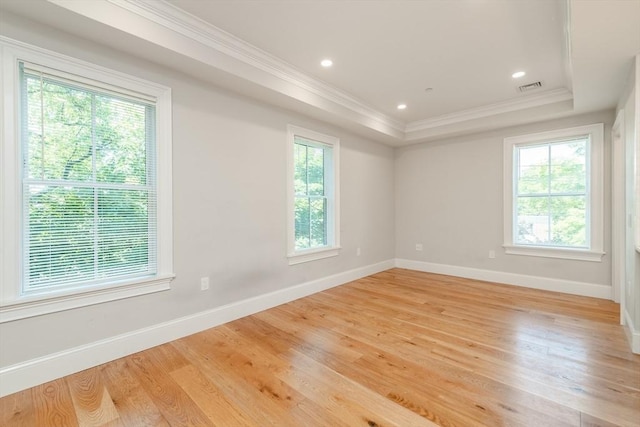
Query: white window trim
pixel 298 257
pixel 596 250
pixel 13 305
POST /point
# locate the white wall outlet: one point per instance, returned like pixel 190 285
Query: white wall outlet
pixel 358 251
pixel 492 254
pixel 419 246
pixel 204 283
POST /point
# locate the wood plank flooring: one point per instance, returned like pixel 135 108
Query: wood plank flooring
pixel 399 348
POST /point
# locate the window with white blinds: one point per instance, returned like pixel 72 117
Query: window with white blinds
pixel 88 196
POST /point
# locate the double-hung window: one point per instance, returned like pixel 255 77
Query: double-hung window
pixel 88 208
pixel 553 193
pixel 313 195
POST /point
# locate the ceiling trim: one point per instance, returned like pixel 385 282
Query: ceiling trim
pixel 193 27
pixel 202 33
pixel 166 25
pixel 531 101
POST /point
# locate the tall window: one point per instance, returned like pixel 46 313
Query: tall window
pixel 87 182
pixel 313 163
pixel 553 193
pixel 88 195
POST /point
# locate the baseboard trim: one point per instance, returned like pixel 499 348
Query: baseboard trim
pixel 633 336
pixel 535 282
pixel 33 372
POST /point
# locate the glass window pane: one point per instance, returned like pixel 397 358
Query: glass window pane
pixel 532 220
pixel 300 166
pixel 302 230
pixel 318 218
pixel 65 123
pixel 61 235
pixel 120 137
pixel 123 232
pixel 569 221
pixel 533 170
pixel 35 150
pixel 568 167
pixel 315 162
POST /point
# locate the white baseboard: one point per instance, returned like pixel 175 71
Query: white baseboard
pixel 43 369
pixel 633 335
pixel 535 282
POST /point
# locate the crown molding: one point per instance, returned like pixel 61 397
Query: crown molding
pixel 531 101
pixel 199 33
pixel 163 24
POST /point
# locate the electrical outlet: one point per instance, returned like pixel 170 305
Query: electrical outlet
pixel 419 246
pixel 358 252
pixel 492 254
pixel 204 283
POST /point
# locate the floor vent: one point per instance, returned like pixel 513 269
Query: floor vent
pixel 530 86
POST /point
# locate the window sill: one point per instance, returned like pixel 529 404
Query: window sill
pixel 546 252
pixel 313 254
pixel 37 305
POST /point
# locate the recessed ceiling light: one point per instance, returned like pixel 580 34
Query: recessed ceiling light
pixel 402 106
pixel 518 74
pixel 326 63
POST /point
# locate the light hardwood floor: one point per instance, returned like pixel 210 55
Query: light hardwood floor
pixel 399 348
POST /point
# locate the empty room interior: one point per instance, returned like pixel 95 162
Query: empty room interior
pixel 320 213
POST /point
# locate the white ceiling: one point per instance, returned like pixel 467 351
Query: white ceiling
pixel 385 52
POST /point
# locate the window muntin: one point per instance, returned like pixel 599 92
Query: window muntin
pixel 313 195
pixel 88 184
pixel 551 203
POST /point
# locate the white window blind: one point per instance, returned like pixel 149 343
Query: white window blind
pixel 88 182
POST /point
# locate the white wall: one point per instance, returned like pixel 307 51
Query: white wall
pixel 449 198
pixel 630 104
pixel 229 209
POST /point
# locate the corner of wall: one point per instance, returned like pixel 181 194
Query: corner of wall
pixel 535 282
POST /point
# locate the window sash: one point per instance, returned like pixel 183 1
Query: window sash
pixel 550 195
pixel 308 230
pixel 46 265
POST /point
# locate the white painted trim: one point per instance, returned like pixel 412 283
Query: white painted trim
pixel 525 102
pixel 633 335
pixel 313 255
pixel 51 302
pixel 567 51
pixel 553 252
pixel 40 370
pixel 535 282
pixel 618 214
